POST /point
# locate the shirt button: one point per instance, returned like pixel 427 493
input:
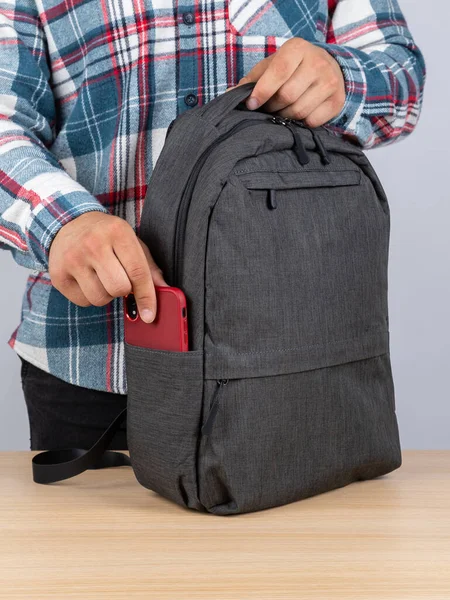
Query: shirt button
pixel 188 18
pixel 190 99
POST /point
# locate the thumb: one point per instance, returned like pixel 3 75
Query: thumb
pixel 156 273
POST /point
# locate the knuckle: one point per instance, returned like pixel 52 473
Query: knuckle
pixel 92 243
pixel 296 43
pixel 312 122
pixel 320 63
pixel 331 83
pixel 72 259
pixel 299 113
pixel 82 301
pixel 100 299
pixel 286 97
pixel 137 272
pixel 117 226
pixel 281 69
pixel 57 275
pixel 120 289
pixel 334 80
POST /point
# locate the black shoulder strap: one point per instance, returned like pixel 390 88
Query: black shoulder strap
pixel 56 465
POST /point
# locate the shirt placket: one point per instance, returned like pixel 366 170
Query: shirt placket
pixel 188 58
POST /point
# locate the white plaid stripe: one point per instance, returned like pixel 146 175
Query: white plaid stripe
pixel 87 90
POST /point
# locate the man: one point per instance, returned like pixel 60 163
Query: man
pixel 87 91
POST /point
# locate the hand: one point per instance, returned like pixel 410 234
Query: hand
pixel 98 257
pixel 300 81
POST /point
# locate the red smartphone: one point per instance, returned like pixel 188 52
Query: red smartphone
pixel 168 331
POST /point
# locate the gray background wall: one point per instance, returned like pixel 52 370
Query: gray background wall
pixel 415 175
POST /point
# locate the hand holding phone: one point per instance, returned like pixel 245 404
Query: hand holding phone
pixel 168 331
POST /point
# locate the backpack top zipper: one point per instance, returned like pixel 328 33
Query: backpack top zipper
pixel 183 208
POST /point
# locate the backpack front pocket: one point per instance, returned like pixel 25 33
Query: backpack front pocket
pixel 299 267
pixel 164 410
pixel 280 438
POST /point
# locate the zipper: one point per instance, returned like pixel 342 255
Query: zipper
pixel 183 209
pixel 299 148
pixel 301 155
pixel 324 156
pixel 208 426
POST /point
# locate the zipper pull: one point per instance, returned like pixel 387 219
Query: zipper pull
pixel 272 200
pixel 325 157
pixel 208 426
pixel 299 148
pixel 279 120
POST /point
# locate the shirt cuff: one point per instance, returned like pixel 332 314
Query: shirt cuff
pixel 347 121
pixel 47 218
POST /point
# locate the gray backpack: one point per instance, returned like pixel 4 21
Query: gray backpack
pixel 279 237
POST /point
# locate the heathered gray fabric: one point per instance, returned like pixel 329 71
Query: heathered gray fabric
pixel 288 304
pixel 279 439
pixel 163 414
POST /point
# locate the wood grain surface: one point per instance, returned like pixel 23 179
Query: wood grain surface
pixel 101 535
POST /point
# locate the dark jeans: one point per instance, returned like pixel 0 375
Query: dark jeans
pixel 63 415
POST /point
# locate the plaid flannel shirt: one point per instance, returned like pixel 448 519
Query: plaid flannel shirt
pixel 87 91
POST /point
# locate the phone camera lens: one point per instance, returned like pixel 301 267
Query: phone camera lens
pixel 131 307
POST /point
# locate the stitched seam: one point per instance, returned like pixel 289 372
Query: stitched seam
pixel 333 344
pixel 271 172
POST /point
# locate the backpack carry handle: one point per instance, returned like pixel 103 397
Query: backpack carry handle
pixel 218 108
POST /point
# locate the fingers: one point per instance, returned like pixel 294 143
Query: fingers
pixel 112 275
pixel 92 288
pixel 291 91
pixel 98 257
pixel 156 273
pixel 321 115
pixel 300 81
pixel 272 73
pixel 72 291
pixel 133 259
pixel 307 103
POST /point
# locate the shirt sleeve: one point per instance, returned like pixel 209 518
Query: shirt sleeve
pixel 37 196
pixel 384 70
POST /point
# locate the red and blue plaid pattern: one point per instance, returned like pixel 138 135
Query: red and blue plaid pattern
pixel 87 91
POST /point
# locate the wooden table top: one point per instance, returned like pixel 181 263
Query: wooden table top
pixel 102 535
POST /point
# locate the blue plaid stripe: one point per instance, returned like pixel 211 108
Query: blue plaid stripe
pixel 87 90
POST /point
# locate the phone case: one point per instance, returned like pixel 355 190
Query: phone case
pixel 169 329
